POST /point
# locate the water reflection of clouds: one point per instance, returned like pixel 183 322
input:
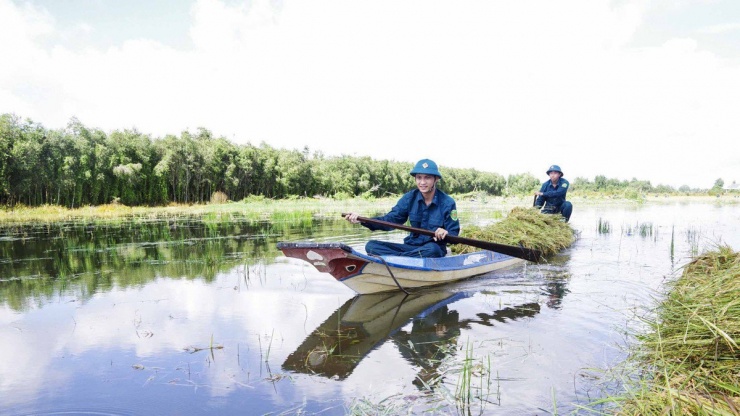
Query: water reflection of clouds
pixel 7 315
pixel 29 346
pixel 369 379
pixel 156 322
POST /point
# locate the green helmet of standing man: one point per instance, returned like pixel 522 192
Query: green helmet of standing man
pixel 554 168
pixel 426 167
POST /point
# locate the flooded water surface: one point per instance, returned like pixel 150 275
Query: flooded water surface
pixel 205 316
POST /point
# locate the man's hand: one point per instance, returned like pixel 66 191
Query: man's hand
pixel 440 234
pixel 352 217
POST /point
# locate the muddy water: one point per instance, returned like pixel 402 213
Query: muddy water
pixel 192 318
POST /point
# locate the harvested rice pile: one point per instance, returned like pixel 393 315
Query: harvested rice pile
pixel 692 349
pixel 526 226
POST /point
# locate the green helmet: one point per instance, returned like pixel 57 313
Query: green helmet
pixel 427 167
pixel 554 168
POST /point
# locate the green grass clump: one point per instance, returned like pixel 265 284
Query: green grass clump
pixel 691 351
pixel 547 233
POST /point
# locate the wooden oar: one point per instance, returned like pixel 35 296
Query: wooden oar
pixel 514 251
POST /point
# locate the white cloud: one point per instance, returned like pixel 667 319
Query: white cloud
pixel 720 28
pixel 504 87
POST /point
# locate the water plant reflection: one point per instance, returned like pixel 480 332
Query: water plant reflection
pixel 38 261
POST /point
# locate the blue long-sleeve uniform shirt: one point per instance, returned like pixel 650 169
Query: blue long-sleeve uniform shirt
pixel 441 213
pixel 554 195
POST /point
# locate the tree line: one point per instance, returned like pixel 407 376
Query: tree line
pixel 77 166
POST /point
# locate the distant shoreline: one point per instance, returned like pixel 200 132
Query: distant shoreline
pixel 262 209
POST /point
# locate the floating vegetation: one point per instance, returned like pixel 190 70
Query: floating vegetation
pixel 603 227
pixel 192 349
pixel 692 350
pixel 211 347
pixel 392 405
pixel 547 233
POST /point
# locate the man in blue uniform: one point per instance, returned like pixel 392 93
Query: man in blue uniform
pixel 425 207
pixel 551 196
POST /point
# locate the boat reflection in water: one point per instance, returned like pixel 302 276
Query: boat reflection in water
pixel 338 345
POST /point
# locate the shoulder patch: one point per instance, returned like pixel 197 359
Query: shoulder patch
pixel 453 215
pixel 565 185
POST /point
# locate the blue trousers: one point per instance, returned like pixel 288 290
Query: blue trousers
pixel 385 248
pixel 565 210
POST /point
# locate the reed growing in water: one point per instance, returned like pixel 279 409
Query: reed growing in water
pixel 547 233
pixel 603 227
pixel 691 351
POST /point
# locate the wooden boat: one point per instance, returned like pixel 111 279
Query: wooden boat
pixel 373 274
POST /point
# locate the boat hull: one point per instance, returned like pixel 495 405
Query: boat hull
pixel 374 274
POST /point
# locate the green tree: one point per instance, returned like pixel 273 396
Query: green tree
pixel 523 183
pixel 640 186
pixel 583 184
pixel 80 165
pixel 664 189
pixel 718 184
pixel 9 135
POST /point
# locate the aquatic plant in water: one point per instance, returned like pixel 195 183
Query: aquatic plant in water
pixel 603 227
pixel 692 237
pixel 646 229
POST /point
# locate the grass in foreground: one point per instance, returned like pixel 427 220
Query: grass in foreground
pixel 691 354
pixel 526 226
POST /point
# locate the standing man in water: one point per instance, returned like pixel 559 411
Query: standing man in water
pixel 552 194
pixel 425 207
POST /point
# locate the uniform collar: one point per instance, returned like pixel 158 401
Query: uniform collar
pixel 420 197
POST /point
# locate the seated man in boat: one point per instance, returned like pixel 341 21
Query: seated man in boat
pixel 425 207
pixel 551 196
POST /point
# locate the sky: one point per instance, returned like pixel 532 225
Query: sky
pixel 626 89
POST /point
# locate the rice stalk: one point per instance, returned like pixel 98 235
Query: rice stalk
pixel 526 227
pixel 691 353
